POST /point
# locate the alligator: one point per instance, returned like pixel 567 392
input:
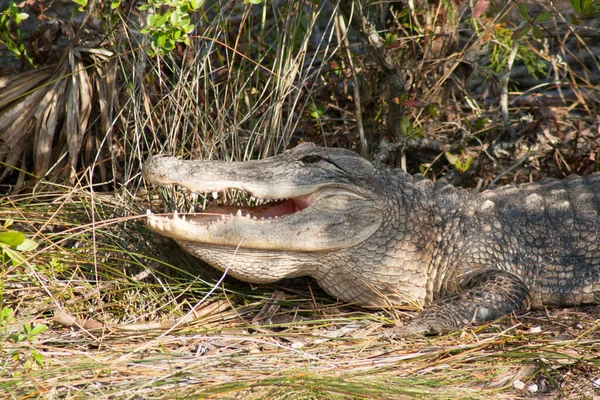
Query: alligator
pixel 381 238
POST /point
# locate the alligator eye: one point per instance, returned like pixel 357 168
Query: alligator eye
pixel 311 159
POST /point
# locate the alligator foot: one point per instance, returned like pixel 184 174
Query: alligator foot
pixel 484 297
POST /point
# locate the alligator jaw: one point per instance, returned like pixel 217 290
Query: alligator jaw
pixel 309 219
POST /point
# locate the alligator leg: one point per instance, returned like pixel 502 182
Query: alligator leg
pixel 483 297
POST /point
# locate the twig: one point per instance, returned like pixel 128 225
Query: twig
pixel 342 33
pixel 504 95
pixel 353 11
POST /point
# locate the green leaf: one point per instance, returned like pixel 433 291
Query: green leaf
pixel 12 238
pixel 37 329
pixel 169 45
pixel 519 33
pixel 452 159
pixel 480 123
pixel 468 164
pixel 175 18
pixel 405 126
pixel 537 32
pixel 161 39
pixel 81 3
pixel 390 39
pixel 28 245
pixel 574 20
pixel 15 256
pixel 196 4
pixel 576 6
pixel 543 17
pixel 523 11
pixel 39 358
pixel 160 20
pixel 6 315
pixel 115 4
pixel 432 111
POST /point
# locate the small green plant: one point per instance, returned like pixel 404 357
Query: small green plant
pixel 460 165
pixel 168 23
pixel 316 112
pixel 10 34
pixel 406 127
pixel 584 9
pixel 13 243
pixel 28 358
pixel 531 23
pixel 81 4
pixel 501 47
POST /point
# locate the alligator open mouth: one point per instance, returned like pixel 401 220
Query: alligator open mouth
pixel 220 207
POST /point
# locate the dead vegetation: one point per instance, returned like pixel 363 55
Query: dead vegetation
pixel 439 88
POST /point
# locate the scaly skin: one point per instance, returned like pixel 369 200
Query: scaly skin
pixel 377 237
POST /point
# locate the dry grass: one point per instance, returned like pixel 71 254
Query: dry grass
pixel 118 327
pixel 128 315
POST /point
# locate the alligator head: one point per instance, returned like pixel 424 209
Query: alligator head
pixel 302 205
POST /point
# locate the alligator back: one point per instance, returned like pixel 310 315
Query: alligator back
pixel 546 233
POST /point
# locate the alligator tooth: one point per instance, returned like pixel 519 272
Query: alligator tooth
pixel 194 196
pixel 223 217
pixel 254 218
pixel 262 218
pixel 175 215
pixel 276 217
pixel 247 215
pixel 148 212
pixel 239 213
pixel 183 217
pixel 252 198
pixel 215 195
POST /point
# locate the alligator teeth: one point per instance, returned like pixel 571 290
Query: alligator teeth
pixel 148 212
pixel 175 215
pixel 215 195
pixel 239 213
pixel 247 215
